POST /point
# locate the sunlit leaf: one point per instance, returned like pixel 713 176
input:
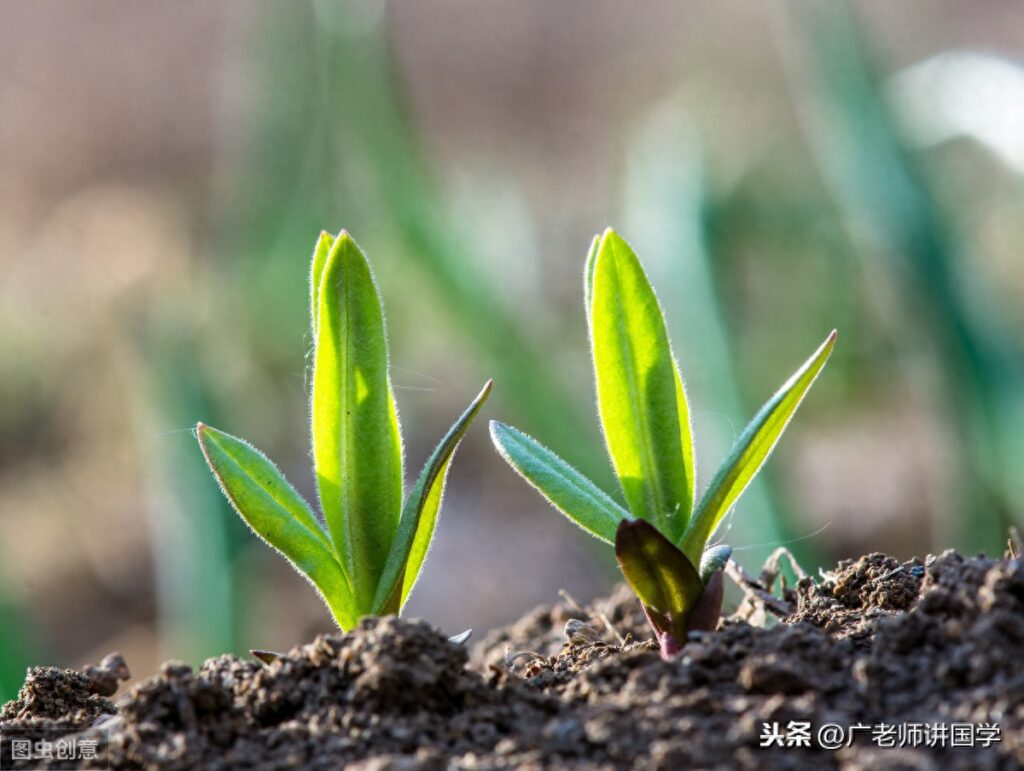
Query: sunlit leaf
pixel 357 448
pixel 277 513
pixel 640 395
pixel 565 488
pixel 588 278
pixel 316 273
pixel 660 574
pixel 419 516
pixel 236 462
pixel 751 450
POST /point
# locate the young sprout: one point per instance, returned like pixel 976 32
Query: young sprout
pixel 367 559
pixel 661 540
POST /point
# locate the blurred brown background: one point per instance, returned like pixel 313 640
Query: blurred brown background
pixel 782 169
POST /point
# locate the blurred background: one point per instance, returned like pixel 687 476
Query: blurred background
pixel 781 168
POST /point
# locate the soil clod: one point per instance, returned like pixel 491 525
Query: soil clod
pixel 875 642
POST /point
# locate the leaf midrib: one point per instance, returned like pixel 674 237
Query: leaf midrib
pixel 346 514
pixel 651 490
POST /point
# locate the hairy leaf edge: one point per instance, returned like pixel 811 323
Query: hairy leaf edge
pixel 393 581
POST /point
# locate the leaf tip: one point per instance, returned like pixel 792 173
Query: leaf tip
pixel 203 433
pixel 498 430
pixel 611 236
pixel 830 341
pixel 829 344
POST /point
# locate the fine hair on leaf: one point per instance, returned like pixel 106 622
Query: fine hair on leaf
pixel 366 556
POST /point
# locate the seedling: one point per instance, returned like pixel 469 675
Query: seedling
pixel 367 559
pixel 661 541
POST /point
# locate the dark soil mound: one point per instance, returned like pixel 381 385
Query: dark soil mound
pixel 901 650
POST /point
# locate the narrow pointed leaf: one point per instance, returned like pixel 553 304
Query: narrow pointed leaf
pixel 640 395
pixel 660 574
pixel 588 278
pixel 419 516
pixel 357 449
pixel 247 465
pixel 565 488
pixel 267 503
pixel 316 272
pixel 751 450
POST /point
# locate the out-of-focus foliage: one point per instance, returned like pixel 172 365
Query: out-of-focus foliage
pixel 156 211
pixel 886 195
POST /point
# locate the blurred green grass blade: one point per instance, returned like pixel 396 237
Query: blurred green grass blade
pixel 20 647
pixel 357 448
pixel 564 487
pixel 316 274
pixel 419 516
pixel 243 466
pixel 640 395
pixel 658 572
pixel 268 504
pixel 378 140
pixel 194 533
pixel 751 451
pixel 898 220
pixel 668 210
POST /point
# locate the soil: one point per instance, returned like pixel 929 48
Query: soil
pixel 873 642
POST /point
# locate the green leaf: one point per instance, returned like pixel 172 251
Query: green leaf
pixel 267 503
pixel 588 278
pixel 357 450
pixel 419 516
pixel 258 469
pixel 640 395
pixel 751 450
pixel 712 560
pixel 564 487
pixel 659 573
pixel 316 273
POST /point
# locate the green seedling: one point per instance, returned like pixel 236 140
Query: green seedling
pixel 368 557
pixel 661 536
